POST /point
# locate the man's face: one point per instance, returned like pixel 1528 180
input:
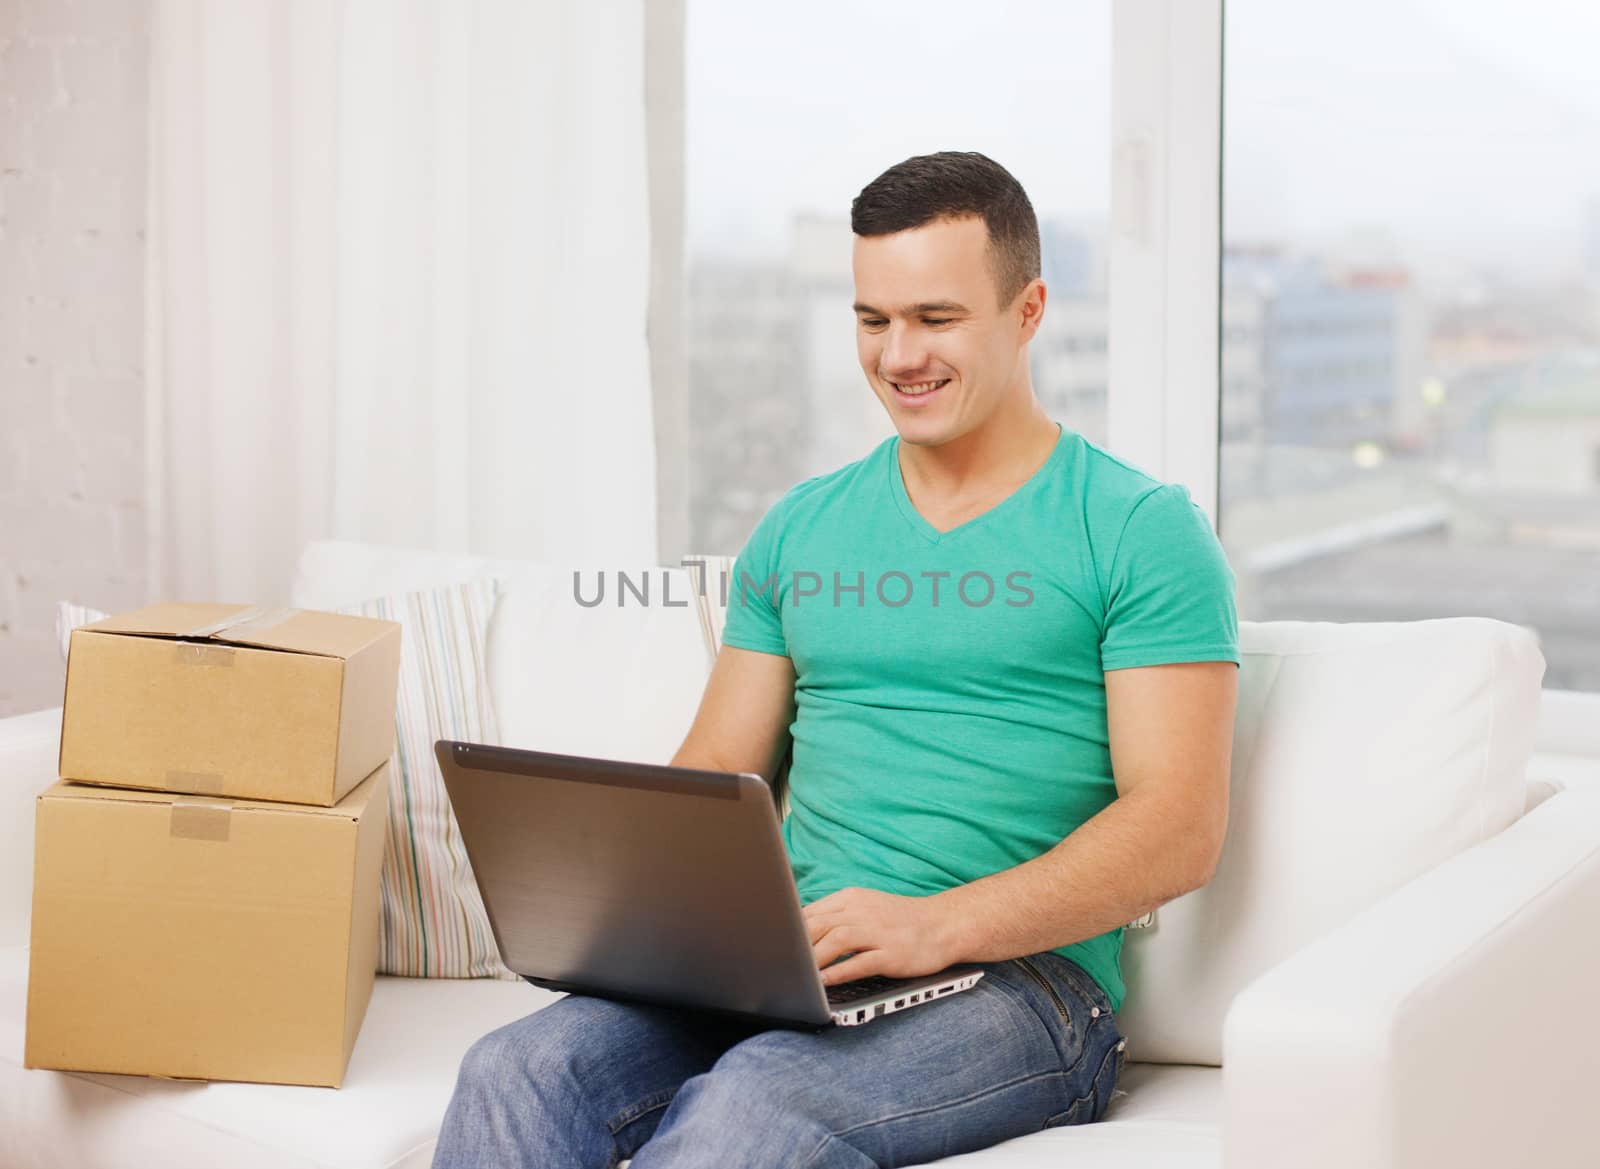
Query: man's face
pixel 927 312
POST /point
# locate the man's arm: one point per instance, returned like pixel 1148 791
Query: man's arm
pixel 1171 736
pixel 1171 730
pixel 744 716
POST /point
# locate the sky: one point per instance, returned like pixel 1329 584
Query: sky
pixel 1465 130
pixel 800 106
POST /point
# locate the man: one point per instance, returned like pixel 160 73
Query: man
pixel 1005 662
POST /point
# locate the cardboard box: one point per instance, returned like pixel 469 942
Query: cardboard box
pixel 187 937
pixel 291 705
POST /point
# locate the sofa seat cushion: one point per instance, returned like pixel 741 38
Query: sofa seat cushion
pixel 1170 1118
pixel 386 1116
pixel 401 1075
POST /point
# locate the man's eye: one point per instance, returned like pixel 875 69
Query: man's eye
pixel 873 323
pixel 933 321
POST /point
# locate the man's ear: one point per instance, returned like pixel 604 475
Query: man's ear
pixel 1030 308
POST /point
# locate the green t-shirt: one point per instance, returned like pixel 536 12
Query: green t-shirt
pixel 950 693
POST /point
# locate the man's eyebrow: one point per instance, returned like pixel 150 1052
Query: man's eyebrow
pixel 931 306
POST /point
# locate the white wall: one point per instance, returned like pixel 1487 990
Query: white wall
pixel 72 200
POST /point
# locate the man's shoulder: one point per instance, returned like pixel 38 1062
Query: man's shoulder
pixel 1111 486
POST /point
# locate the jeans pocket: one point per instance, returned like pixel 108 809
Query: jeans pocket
pixel 1081 980
pixel 1121 1050
pixel 1043 983
pixel 1092 1105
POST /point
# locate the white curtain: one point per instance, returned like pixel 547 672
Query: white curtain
pixel 399 272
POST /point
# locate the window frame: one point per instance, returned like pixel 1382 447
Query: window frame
pixel 1164 270
pixel 1163 398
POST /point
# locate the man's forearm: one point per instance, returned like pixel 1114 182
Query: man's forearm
pixel 1134 855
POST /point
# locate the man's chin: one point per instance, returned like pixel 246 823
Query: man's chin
pixel 920 432
pixel 929 427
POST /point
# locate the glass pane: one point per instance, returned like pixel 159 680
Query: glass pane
pixel 1411 316
pixel 790 112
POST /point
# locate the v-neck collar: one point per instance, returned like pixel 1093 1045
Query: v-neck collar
pixel 902 498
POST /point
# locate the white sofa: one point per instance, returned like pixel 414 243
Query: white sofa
pixel 1395 965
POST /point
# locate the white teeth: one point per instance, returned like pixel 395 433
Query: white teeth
pixel 920 387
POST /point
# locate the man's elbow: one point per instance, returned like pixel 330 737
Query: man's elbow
pixel 1201 876
pixel 1191 846
pixel 1206 855
pixel 1200 846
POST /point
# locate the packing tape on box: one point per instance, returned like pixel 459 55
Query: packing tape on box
pixel 241 616
pixel 253 618
pixel 187 653
pixel 199 819
pixel 266 620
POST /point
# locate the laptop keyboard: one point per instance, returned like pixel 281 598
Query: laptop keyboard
pixel 851 992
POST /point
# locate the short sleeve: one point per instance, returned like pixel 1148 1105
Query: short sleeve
pixel 752 620
pixel 1170 596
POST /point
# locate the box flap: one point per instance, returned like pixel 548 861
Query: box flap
pixel 312 631
pixel 348 808
pixel 309 631
pixel 173 619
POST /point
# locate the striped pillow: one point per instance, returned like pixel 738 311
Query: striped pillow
pixel 710 577
pixel 433 921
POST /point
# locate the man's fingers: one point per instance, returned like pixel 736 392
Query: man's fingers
pixel 862 965
pixel 835 900
pixel 834 942
pixel 817 930
pixel 816 911
pixel 822 906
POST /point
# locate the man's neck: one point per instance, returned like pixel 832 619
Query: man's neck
pixel 999 456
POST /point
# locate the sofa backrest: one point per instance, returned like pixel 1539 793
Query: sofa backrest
pixel 1364 755
pixel 620 679
pixel 616 680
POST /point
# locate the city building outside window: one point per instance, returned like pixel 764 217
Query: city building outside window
pixel 1411 317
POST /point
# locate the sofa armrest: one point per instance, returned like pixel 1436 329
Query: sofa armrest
pixel 29 750
pixel 1455 1023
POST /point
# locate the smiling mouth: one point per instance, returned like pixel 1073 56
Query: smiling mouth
pixel 917 389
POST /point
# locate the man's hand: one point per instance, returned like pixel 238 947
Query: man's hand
pixel 902 937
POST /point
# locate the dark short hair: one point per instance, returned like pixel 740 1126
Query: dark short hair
pixel 949 185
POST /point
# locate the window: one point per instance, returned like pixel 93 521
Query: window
pixel 1411 316
pixel 790 112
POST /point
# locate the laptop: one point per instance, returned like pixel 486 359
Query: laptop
pixel 652 884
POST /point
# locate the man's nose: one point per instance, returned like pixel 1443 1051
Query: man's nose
pixel 903 352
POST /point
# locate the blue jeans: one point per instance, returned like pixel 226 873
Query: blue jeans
pixel 586 1083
